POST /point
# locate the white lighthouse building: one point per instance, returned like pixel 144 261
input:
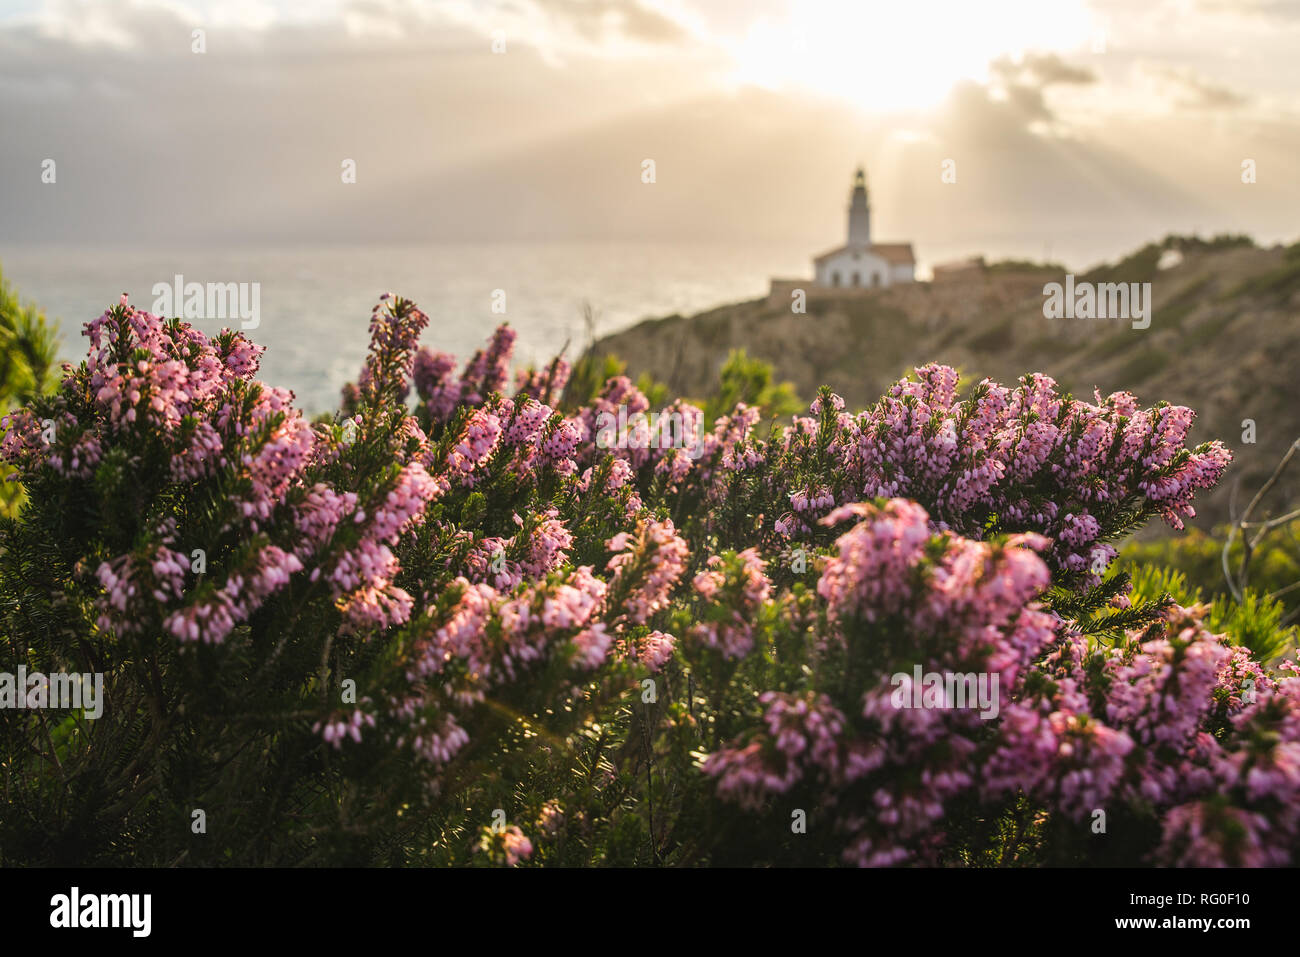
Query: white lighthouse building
pixel 859 262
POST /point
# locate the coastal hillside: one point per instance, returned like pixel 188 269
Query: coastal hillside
pixel 1225 326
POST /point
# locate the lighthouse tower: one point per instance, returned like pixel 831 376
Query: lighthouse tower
pixel 859 212
pixel 859 262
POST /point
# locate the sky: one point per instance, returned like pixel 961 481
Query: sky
pixel 481 120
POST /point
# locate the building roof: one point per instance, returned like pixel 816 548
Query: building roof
pixel 897 254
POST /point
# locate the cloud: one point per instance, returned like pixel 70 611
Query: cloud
pixel 112 24
pixel 1039 70
pixel 555 27
pixel 1186 89
pixel 246 139
pixel 599 21
pixel 1285 11
pixel 155 144
pixel 1021 83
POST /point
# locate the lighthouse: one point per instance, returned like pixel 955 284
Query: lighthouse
pixel 859 263
pixel 859 211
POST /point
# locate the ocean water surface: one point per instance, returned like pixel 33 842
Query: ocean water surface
pixel 315 302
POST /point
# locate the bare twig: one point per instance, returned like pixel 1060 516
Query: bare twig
pixel 1249 543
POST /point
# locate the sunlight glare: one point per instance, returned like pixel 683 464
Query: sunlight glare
pixel 856 51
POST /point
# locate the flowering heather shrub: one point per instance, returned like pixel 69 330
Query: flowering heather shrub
pixel 448 626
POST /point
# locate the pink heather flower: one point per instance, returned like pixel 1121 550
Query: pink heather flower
pixel 376 605
pixel 404 504
pixel 477 443
pixel 362 576
pixel 211 618
pixel 1200 834
pixel 526 422
pixel 656 649
pixel 646 568
pixel 836 404
pixel 799 738
pixel 435 742
pixel 591 646
pixel 674 467
pixel 340 728
pixel 535 622
pixel 135 583
pixel 872 573
pixel 1164 691
pixel 395 327
pixel 506 846
pixel 435 384
pixel 486 561
pixel 489 370
pixel 559 445
pixel 319 516
pixel 736 587
pixel 547 546
pixel 517 847
pixel 745 778
pixel 551 818
pixel 545 385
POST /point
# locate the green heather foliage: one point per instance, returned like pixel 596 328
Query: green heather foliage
pixel 27 351
pixel 1274 567
pixel 1256 622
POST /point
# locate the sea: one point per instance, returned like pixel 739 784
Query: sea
pixel 315 301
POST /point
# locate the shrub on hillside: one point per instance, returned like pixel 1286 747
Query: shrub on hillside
pixel 481 630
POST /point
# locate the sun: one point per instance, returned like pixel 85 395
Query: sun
pixel 900 54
